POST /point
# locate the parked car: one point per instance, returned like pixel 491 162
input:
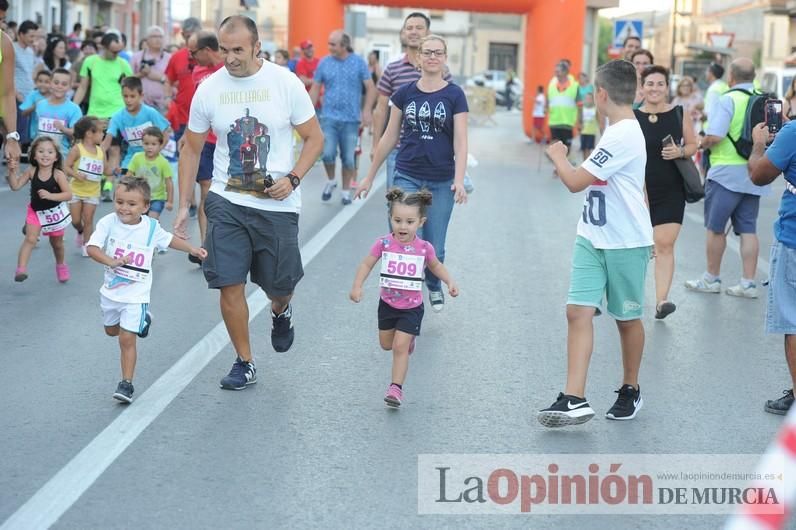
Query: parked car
pixel 496 80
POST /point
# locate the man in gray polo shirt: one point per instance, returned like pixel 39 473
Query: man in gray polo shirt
pixel 729 193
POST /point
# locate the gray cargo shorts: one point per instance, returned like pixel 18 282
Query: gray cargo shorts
pixel 241 240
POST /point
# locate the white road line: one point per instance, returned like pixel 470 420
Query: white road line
pixel 762 263
pixel 48 504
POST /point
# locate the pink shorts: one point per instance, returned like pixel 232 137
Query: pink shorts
pixel 33 219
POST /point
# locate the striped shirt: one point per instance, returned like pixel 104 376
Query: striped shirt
pixel 400 72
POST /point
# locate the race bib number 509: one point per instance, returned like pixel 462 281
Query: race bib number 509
pixel 401 271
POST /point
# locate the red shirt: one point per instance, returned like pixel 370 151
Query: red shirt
pixel 200 73
pixel 179 71
pixel 306 67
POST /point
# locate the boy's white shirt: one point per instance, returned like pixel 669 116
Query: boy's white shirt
pixel 114 287
pixel 615 214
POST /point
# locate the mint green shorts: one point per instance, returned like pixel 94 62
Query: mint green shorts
pixel 617 274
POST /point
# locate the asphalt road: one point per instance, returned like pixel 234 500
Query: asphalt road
pixel 312 445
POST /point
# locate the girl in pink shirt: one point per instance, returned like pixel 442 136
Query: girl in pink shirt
pixel 403 257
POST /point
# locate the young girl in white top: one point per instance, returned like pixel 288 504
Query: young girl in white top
pixel 47 211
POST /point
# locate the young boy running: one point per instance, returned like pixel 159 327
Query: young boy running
pixel 56 116
pixel 612 249
pixel 130 123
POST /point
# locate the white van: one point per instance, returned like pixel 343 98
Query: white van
pixel 777 80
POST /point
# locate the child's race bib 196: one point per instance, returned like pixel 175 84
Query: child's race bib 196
pixel 401 271
pixel 91 168
pixel 54 219
pixel 139 260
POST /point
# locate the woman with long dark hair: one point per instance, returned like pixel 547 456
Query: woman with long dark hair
pixel 55 53
pixel 660 120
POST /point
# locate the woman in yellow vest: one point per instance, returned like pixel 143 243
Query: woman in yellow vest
pixel 562 105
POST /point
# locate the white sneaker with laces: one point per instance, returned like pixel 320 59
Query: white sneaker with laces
pixel 743 292
pixel 703 286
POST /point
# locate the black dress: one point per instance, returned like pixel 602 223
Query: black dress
pixel 665 189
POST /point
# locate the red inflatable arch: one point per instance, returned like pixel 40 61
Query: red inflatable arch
pixel 554 30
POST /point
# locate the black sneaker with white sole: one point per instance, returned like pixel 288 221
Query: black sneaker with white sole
pixel 627 404
pixel 782 405
pixel 241 375
pixel 282 330
pixel 124 391
pixel 567 410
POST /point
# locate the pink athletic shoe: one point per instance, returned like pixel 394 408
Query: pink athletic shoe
pixel 20 275
pixel 394 396
pixel 62 272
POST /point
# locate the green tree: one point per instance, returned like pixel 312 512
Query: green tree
pixel 604 38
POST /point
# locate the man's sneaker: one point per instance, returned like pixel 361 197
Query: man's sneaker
pixel 394 396
pixel 242 373
pixel 147 323
pixel 282 330
pixel 743 292
pixel 195 259
pixel 437 300
pixel 627 404
pixel 124 391
pixel 345 200
pixel 327 190
pixel 703 286
pixel 567 410
pixel 782 405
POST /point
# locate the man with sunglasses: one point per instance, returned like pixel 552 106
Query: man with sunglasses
pixel 179 75
pixel 203 49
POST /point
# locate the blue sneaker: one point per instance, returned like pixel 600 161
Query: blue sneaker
pixel 242 374
pixel 145 329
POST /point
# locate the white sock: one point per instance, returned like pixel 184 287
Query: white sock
pixel 710 278
pixel 346 194
pixel 747 283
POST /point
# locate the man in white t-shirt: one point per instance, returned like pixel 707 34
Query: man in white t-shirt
pixel 612 248
pixel 252 106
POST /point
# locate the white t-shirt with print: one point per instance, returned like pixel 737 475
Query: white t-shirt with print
pixel 253 118
pixel 614 212
pixel 111 233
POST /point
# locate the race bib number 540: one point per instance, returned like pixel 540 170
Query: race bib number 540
pixel 139 260
pixel 401 271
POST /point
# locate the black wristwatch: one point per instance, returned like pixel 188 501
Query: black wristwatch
pixel 294 180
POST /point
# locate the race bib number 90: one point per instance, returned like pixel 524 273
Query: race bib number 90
pixel 139 260
pixel 401 271
pixel 54 219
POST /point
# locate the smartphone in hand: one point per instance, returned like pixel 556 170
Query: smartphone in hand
pixel 668 140
pixel 773 115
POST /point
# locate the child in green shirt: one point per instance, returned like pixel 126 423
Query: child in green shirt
pixel 154 167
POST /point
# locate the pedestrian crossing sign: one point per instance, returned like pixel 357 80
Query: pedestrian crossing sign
pixel 627 28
